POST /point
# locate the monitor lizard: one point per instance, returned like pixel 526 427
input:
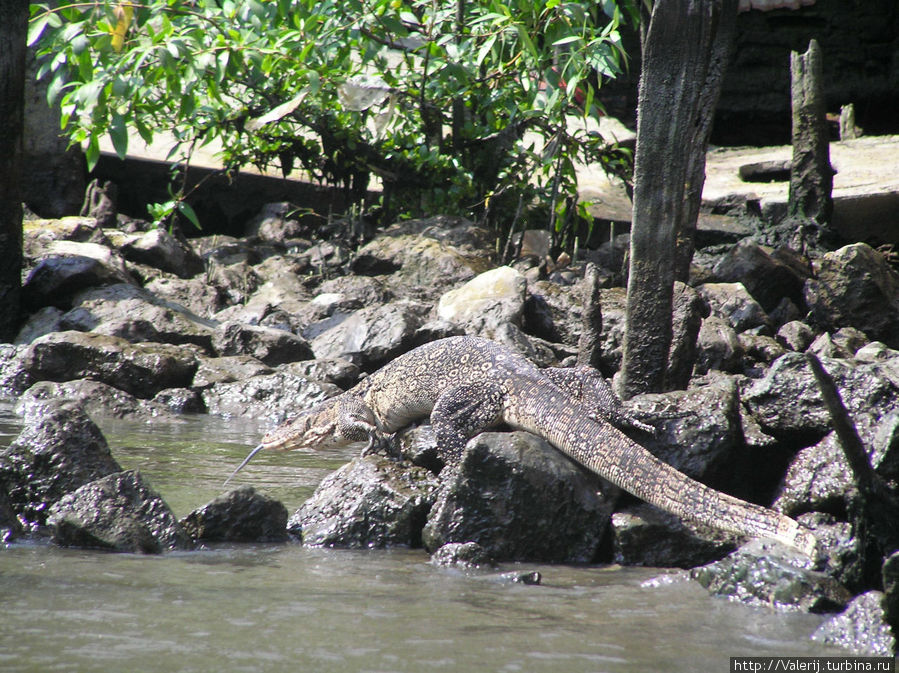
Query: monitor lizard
pixel 468 384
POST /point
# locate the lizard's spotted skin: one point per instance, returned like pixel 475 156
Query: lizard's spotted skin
pixel 467 384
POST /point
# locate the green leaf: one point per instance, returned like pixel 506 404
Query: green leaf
pixel 185 209
pixel 36 28
pixel 92 153
pixel 118 133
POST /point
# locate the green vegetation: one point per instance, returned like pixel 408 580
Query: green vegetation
pixel 433 98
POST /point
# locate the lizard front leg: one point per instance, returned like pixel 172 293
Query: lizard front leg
pixel 462 412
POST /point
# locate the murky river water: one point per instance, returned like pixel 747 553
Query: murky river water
pixel 288 608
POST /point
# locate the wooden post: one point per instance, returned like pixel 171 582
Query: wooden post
pixel 811 177
pixel 681 50
pixel 13 28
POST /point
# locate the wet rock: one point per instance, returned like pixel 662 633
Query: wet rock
pixel 270 346
pixel 418 445
pixel 136 315
pixel 860 628
pixel 241 515
pixel 235 284
pixel 891 591
pixel 369 502
pixel 119 512
pixel 486 301
pixel 179 401
pixel 140 369
pixel 795 336
pixel 856 287
pixel 9 524
pixel 841 555
pixel 68 268
pixel 731 302
pixel 698 430
pixel 644 535
pixel 767 278
pixel 162 250
pixel 464 555
pixel 272 397
pixel 719 347
pixel 787 402
pixel 819 477
pixel 98 399
pixel 766 573
pixel 520 499
pixel 228 369
pixel 58 450
pixel 371 337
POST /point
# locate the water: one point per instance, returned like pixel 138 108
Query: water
pixel 289 608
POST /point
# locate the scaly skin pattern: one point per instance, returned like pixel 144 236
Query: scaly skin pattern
pixel 467 384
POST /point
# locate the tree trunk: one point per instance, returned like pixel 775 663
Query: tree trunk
pixel 684 57
pixel 13 28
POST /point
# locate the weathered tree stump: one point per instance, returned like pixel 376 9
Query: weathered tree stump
pixel 811 177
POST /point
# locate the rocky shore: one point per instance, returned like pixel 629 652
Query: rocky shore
pixel 130 321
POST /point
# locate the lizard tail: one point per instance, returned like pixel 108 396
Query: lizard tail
pixel 614 456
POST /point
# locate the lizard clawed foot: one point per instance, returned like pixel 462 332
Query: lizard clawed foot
pixel 378 443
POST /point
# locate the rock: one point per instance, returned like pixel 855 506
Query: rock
pixel 371 337
pixel 272 397
pixel 278 222
pixel 228 369
pixel 119 512
pixel 759 348
pixel 426 257
pixel 464 555
pixel 819 478
pixel 766 573
pixel 162 250
pixel 686 324
pixel 860 628
pixel 787 402
pixel 140 369
pixel 225 250
pixel 486 301
pixel 235 284
pixel 241 515
pixel 891 591
pixel 369 502
pixel 699 429
pixel 734 304
pixel 9 523
pixel 644 535
pixel 719 348
pixel 824 346
pixel 97 399
pixel 520 499
pixel 842 556
pixel 350 293
pixel 342 373
pixel 58 450
pixel 180 401
pixel 136 315
pixel 270 346
pixel 795 336
pixel 876 351
pixel 69 268
pixel 194 294
pixel 856 287
pixel 41 322
pixel 767 278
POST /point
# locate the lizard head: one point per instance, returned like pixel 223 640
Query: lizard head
pixel 332 424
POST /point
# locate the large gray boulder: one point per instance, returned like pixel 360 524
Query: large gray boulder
pixel 142 369
pixel 266 344
pixel 369 502
pixel 58 450
pixel 768 275
pixel 158 248
pixel 856 287
pixel 119 512
pixel 520 499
